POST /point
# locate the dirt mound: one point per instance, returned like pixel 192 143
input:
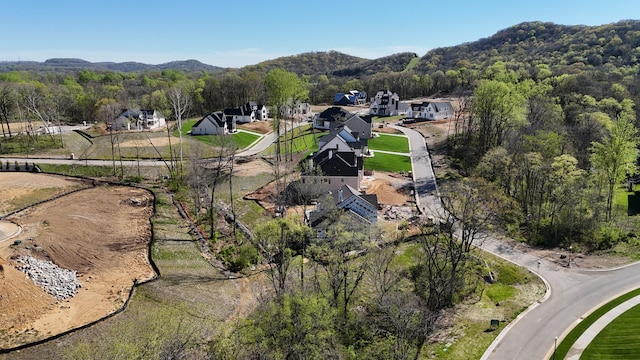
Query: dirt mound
pixel 390 189
pixel 102 233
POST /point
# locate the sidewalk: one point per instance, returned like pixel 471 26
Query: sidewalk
pixel 585 339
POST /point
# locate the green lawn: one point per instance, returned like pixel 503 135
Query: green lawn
pixel 388 162
pixel 574 334
pixel 303 141
pixel 627 200
pixel 241 138
pixel 186 127
pixel 389 143
pixel 619 340
pixel 244 139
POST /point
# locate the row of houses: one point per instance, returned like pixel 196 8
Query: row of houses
pixel 337 168
pixel 387 103
pixel 224 122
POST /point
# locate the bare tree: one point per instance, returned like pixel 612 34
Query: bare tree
pixel 7 104
pixel 403 318
pixel 197 177
pixel 381 276
pixel 34 100
pixel 471 208
pixel 180 98
pixel 219 169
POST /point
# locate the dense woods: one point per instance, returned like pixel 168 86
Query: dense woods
pixel 545 141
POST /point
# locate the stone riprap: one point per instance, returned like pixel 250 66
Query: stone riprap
pixel 56 281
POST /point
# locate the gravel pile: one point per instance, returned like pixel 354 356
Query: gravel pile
pixel 56 281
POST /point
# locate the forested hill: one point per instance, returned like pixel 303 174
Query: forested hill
pixel 70 65
pixel 393 63
pixel 558 46
pixel 311 63
pixel 334 63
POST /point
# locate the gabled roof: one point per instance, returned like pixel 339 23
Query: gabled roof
pixel 439 105
pixel 133 113
pixel 345 134
pixel 338 164
pixel 216 118
pixel 345 198
pixel 333 112
pixel 360 126
pixel 417 106
pixel 348 191
pixel 233 111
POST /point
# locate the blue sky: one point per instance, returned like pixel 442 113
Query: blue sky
pixel 235 33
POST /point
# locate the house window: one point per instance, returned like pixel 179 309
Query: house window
pixel 342 179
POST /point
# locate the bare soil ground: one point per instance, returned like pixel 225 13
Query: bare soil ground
pixel 103 233
pixel 262 127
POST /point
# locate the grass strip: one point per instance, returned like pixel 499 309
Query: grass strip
pixel 566 343
pixel 618 340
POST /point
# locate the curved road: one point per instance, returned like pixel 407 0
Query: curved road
pixel 571 293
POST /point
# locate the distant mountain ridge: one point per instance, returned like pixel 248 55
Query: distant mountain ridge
pixel 531 43
pixel 71 64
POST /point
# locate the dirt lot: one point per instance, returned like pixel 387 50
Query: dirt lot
pixel 102 233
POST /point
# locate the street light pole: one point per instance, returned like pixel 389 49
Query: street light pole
pixel 570 252
pixel 555 347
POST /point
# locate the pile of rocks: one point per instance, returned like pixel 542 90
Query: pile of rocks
pixel 56 281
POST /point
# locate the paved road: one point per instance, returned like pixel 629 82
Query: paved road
pixel 571 293
pixel 424 179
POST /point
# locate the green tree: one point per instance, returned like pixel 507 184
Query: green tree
pixel 294 327
pixel 276 241
pixel 614 157
pixel 339 272
pixel 283 88
pixel 7 106
pixel 498 107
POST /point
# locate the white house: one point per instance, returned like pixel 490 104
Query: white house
pixel 387 103
pixel 261 112
pixel 216 123
pixel 139 119
pixel 302 111
pixel 431 110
